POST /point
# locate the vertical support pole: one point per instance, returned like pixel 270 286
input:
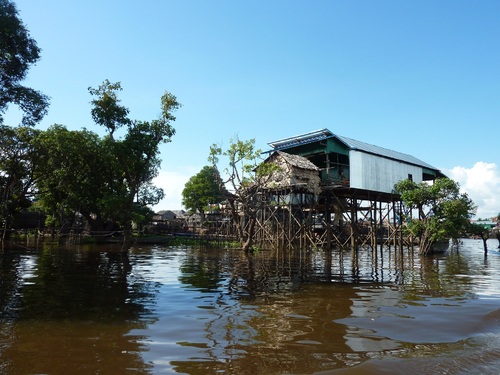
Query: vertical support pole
pixel 328 221
pixel 374 218
pixel 354 220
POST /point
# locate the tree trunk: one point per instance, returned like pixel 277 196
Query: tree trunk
pixel 127 236
pixel 485 236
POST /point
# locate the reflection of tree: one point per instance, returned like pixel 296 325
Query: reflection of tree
pixel 446 276
pixel 265 320
pixel 74 308
pixel 278 312
pixel 202 269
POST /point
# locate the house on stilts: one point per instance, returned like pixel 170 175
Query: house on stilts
pixel 336 191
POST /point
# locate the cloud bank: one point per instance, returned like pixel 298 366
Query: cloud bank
pixel 482 184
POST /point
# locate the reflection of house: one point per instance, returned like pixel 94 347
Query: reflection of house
pixel 345 162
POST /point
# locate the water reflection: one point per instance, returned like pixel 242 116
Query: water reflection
pixel 70 311
pixel 200 310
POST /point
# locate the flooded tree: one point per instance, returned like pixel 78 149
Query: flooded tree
pixel 246 176
pixel 443 212
pixel 135 156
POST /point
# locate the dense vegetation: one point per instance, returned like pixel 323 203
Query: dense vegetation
pixel 442 212
pixel 71 175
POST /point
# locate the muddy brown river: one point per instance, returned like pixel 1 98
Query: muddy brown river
pixel 204 310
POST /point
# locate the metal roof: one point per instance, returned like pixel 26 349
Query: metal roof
pixel 384 152
pixel 317 135
pixel 350 143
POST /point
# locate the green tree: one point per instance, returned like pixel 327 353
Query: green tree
pixel 482 231
pixel 443 212
pixel 17 52
pixel 106 110
pixel 201 190
pixel 247 176
pixel 135 158
pixel 74 176
pixel 17 183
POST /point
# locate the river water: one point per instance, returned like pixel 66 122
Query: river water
pixel 201 310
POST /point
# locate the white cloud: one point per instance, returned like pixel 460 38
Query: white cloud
pixel 482 184
pixel 172 183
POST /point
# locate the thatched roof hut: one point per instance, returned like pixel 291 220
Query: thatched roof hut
pixel 296 172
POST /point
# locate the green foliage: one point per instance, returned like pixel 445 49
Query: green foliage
pixel 17 52
pixel 106 110
pixel 17 158
pixel 247 176
pixel 73 175
pixel 135 157
pixel 203 189
pixel 443 212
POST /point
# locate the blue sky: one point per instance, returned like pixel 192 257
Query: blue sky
pixel 419 77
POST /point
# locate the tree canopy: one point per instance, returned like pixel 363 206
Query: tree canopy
pixel 18 158
pixel 443 212
pixel 203 189
pixel 18 51
pixel 135 157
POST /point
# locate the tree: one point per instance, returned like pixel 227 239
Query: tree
pixel 247 177
pixel 17 52
pixel 17 183
pixel 203 189
pixel 74 176
pixel 482 231
pixel 106 110
pixel 135 157
pixel 443 212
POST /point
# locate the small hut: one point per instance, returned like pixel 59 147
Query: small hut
pixel 296 172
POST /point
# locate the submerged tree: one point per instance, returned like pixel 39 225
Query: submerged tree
pixel 443 212
pixel 481 231
pixel 17 52
pixel 135 158
pixel 247 176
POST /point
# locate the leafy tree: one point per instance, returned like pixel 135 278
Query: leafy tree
pixel 17 52
pixel 106 110
pixel 482 231
pixel 74 176
pixel 17 158
pixel 203 189
pixel 247 177
pixel 135 157
pixel 443 212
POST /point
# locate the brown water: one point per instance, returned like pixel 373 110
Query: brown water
pixel 192 310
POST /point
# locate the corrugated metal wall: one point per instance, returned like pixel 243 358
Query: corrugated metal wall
pixel 375 173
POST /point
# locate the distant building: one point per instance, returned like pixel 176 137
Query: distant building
pixel 490 224
pixel 164 215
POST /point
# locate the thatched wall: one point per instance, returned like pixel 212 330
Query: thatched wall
pixel 296 172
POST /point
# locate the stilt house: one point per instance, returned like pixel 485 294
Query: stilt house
pixel 347 163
